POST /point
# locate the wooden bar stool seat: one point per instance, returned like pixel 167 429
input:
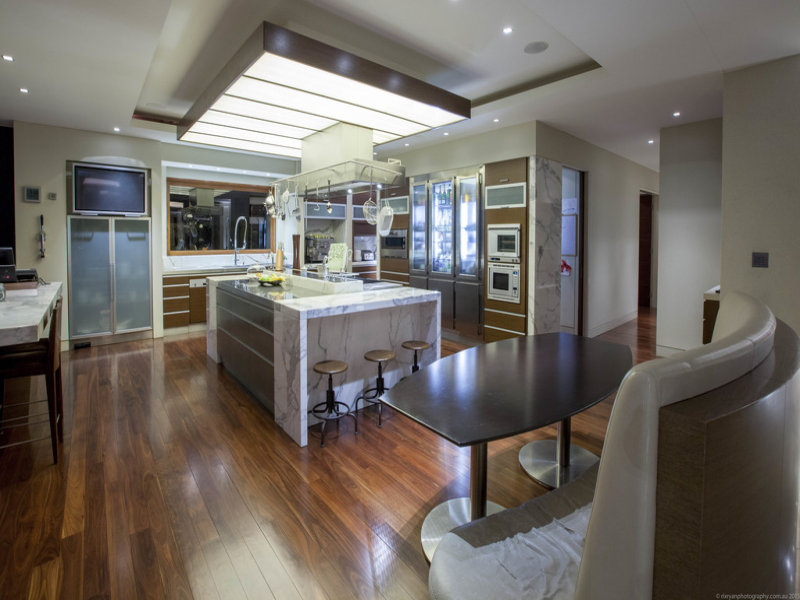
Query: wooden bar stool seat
pixel 373 394
pixel 331 409
pixel 418 346
pixel 29 360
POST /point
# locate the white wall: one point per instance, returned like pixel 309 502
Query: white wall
pixel 689 230
pixel 761 184
pixel 611 222
pixel 40 156
pixel 503 144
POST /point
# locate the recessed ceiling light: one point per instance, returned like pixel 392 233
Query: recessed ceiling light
pixel 507 30
pixel 676 114
pixel 651 141
pixel 116 129
pixel 536 47
pixel 23 90
pixel 445 133
pixel 496 120
pixel 406 144
pixel 8 58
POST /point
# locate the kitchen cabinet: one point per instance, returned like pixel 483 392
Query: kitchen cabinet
pixel 109 276
pixel 185 297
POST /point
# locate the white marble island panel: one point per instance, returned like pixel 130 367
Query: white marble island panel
pixel 309 327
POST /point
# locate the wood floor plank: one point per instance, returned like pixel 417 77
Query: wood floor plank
pixel 45 580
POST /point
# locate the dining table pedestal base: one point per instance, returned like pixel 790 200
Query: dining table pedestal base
pixel 540 461
pixel 446 517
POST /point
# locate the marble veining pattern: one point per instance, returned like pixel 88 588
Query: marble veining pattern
pixel 544 300
pixel 22 314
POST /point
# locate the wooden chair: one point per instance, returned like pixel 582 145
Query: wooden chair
pixel 27 360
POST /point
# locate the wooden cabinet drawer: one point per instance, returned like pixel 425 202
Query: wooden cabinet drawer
pixel 175 279
pixel 495 335
pixel 176 291
pixel 176 305
pixel 180 319
pixel 504 320
pixel 507 171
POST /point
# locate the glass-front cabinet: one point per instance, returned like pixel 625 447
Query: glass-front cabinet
pixel 468 226
pixel 419 221
pixel 442 226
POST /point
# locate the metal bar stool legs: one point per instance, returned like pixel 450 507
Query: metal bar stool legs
pixel 373 394
pixel 331 409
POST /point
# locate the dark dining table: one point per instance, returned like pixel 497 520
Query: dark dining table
pixel 502 389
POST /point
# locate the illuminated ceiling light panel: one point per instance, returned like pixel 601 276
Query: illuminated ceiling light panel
pixel 276 114
pixel 225 142
pixel 229 120
pixel 246 134
pixel 290 86
pixel 381 137
pixel 296 75
pixel 321 106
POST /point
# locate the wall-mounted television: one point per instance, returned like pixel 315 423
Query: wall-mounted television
pixel 99 189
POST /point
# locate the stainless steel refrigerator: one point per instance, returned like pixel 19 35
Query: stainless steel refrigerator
pixel 447 245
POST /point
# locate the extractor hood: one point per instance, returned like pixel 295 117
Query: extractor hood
pixel 355 175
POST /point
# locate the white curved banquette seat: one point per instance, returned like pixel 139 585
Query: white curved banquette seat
pixel 568 544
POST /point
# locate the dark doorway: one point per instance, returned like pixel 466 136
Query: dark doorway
pixel 645 247
pixel 6 186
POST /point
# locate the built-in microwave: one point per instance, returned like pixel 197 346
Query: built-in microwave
pixel 503 243
pixel 503 282
pixel 394 244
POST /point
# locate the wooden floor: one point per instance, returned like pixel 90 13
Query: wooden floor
pixel 174 483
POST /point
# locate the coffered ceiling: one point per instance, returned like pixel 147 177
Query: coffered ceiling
pixel 613 73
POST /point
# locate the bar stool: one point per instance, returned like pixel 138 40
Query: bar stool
pixel 416 346
pixel 331 409
pixel 28 360
pixel 373 395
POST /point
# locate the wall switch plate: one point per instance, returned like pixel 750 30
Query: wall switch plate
pixel 31 193
pixel 761 260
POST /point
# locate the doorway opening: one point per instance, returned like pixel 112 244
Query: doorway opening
pixel 573 184
pixel 648 245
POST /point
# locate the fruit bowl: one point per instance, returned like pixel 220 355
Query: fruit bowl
pixel 274 280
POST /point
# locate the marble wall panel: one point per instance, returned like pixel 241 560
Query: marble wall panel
pixel 544 268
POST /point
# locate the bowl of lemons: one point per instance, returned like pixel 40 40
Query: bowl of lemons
pixel 270 279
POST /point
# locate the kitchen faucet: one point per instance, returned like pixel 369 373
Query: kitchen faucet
pixel 235 236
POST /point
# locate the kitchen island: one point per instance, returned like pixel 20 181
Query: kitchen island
pixel 269 338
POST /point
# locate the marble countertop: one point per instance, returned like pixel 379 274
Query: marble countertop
pixel 22 314
pixel 312 305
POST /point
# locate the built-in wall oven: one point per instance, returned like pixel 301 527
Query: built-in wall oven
pixel 394 244
pixel 503 243
pixel 503 282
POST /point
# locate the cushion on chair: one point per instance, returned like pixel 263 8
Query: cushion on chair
pixel 531 551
